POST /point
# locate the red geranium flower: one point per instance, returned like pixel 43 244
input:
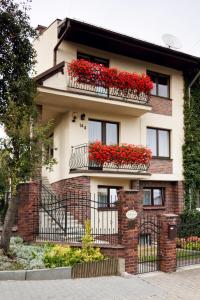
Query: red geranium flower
pixel 99 75
pixel 119 155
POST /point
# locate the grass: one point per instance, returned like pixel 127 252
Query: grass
pixel 149 253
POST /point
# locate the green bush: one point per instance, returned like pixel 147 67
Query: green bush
pixel 62 256
pixel 192 246
pixel 30 256
pixel 189 224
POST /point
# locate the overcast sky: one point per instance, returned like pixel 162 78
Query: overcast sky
pixel 147 19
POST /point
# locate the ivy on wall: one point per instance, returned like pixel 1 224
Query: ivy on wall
pixel 191 147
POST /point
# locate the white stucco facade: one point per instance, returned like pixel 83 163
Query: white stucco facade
pixel 61 106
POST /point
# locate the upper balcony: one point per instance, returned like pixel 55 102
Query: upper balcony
pixel 61 87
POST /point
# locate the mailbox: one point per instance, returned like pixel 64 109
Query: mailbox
pixel 172 231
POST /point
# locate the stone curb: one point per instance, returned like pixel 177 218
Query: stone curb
pixel 40 274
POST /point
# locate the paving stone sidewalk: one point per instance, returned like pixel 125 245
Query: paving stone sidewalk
pixel 184 285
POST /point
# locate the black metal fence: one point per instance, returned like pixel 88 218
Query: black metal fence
pixel 79 160
pixel 128 95
pixel 188 244
pixel 148 244
pixel 64 218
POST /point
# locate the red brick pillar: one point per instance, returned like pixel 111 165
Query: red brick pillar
pixel 28 215
pixel 167 244
pixel 128 229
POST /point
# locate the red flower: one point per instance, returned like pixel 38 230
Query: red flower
pixel 98 75
pixel 119 155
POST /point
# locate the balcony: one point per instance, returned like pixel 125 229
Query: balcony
pixel 129 96
pixel 61 91
pixel 109 83
pixel 80 163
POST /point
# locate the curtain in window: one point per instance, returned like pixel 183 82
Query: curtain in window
pixel 95 131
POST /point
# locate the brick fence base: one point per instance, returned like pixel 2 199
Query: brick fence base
pixel 28 217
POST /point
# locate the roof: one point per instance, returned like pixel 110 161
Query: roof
pixel 50 72
pixel 107 40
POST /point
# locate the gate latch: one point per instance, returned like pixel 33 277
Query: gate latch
pixel 172 231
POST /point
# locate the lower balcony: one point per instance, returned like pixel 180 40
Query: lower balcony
pixel 80 163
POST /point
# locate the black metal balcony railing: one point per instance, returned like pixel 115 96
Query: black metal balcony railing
pixel 79 161
pixel 129 96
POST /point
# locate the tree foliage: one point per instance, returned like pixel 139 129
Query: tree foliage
pixel 22 152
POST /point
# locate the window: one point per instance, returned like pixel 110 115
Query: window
pixel 158 140
pixel 107 196
pixel 161 84
pixel 105 132
pixel 100 91
pixel 153 197
pixel 94 59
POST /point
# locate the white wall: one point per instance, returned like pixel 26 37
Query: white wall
pixel 62 150
pixel 132 129
pixel 44 46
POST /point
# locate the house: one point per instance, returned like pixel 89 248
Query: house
pixel 84 113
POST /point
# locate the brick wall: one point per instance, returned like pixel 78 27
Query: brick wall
pixel 173 196
pixel 80 183
pixel 161 105
pixel 28 218
pixel 161 166
pixel 167 245
pixel 76 191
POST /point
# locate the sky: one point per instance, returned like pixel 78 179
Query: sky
pixel 147 20
pixel 143 19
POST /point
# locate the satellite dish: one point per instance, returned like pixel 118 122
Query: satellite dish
pixel 171 41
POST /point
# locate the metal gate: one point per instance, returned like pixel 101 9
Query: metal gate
pixel 148 244
pixel 188 244
pixel 63 219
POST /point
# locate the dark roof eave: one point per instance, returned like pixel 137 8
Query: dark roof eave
pixel 108 40
pixel 48 73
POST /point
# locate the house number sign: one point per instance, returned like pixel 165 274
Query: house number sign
pixel 131 214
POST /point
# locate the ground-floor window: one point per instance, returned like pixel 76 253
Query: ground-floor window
pixel 153 196
pixel 107 196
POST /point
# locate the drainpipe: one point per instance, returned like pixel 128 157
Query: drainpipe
pixel 59 42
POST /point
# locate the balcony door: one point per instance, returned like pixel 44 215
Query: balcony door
pixel 101 91
pixel 105 132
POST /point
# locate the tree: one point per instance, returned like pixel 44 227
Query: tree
pixel 21 153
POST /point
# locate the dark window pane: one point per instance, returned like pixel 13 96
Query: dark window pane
pixel 147 197
pixel 94 59
pixel 152 140
pixel 102 197
pixel 160 84
pixel 163 143
pixel 163 86
pixel 157 196
pixel 95 131
pixel 153 78
pixel 83 56
pixel 111 134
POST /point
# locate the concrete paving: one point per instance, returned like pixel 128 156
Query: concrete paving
pixel 182 285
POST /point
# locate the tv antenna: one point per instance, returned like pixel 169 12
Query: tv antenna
pixel 171 41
